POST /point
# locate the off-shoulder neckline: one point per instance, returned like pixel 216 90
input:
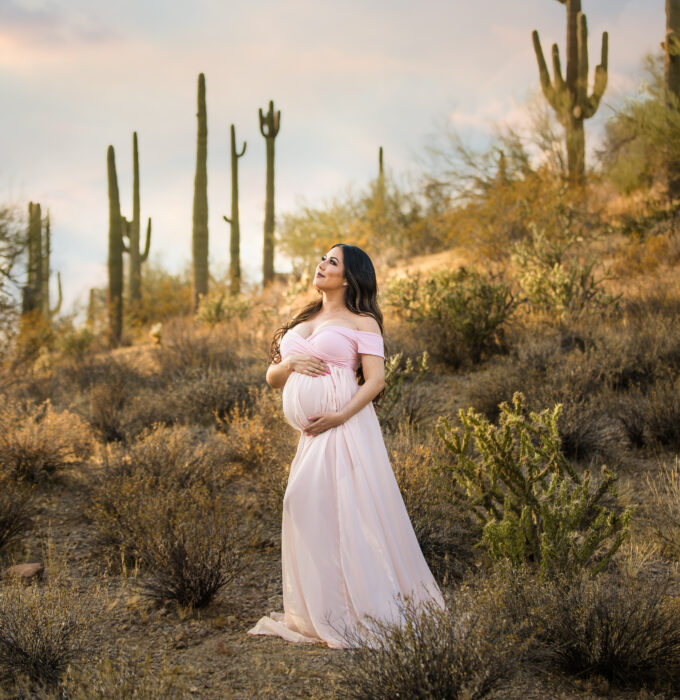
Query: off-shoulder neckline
pixel 330 325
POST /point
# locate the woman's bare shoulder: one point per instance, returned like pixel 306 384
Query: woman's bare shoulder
pixel 367 323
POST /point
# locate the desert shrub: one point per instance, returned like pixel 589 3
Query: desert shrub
pixel 164 501
pixel 459 314
pixel 37 442
pixel 465 651
pixel 44 629
pixel 186 347
pixel 662 506
pixel 206 394
pixel 263 443
pixel 445 531
pixel 399 402
pixel 625 629
pixel 553 278
pixel 650 418
pixel 192 544
pixel 258 435
pixel 217 307
pixel 113 676
pixel 532 503
pixel 16 508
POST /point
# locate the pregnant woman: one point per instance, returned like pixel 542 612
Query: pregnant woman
pixel 348 547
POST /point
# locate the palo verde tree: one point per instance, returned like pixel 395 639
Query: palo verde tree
pixel 269 127
pixel 569 96
pixel 235 238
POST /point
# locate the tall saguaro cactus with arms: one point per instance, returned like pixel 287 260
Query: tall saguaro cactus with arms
pixel 269 127
pixel 235 238
pixel 132 231
pixel 569 96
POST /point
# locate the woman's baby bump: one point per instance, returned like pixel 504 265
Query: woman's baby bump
pixel 305 396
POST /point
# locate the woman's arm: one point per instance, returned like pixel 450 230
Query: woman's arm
pixel 278 372
pixel 374 380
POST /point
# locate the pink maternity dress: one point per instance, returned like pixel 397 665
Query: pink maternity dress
pixel 348 548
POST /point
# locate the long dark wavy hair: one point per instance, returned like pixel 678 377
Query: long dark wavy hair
pixel 361 298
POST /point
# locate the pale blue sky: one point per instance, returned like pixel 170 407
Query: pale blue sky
pixel 348 76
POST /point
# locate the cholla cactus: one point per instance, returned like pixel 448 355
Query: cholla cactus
pixel 531 501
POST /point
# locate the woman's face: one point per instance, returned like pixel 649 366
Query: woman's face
pixel 330 272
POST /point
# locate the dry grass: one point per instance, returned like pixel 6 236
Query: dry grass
pixel 36 442
pixel 17 507
pixel 465 651
pixel 44 629
pixel 166 502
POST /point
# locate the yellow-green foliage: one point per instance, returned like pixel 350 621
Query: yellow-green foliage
pixel 553 278
pixel 533 504
pixel 216 307
pixel 458 314
pixel 401 378
pixel 36 442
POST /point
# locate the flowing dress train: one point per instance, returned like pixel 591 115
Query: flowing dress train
pixel 348 549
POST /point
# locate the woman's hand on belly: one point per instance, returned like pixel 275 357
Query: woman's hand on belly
pixel 320 422
pixel 307 364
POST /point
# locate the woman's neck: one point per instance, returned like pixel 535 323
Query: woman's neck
pixel 333 302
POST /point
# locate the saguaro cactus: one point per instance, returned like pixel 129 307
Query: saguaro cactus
pixel 131 229
pixel 235 238
pixel 569 97
pixel 200 217
pixel 269 127
pixel 671 46
pixel 114 300
pixel 35 295
pixel 33 287
pixel 45 292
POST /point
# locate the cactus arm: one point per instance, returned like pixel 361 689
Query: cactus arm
pixel 582 68
pixel 57 307
pixel 143 257
pixel 600 82
pixel 243 150
pixel 226 218
pixel 125 232
pixel 544 75
pixel 560 84
pixel 262 122
pixel 277 122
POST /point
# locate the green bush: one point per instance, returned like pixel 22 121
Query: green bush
pixel 553 278
pixel 460 314
pixel 532 503
pixel 398 402
pixel 218 307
